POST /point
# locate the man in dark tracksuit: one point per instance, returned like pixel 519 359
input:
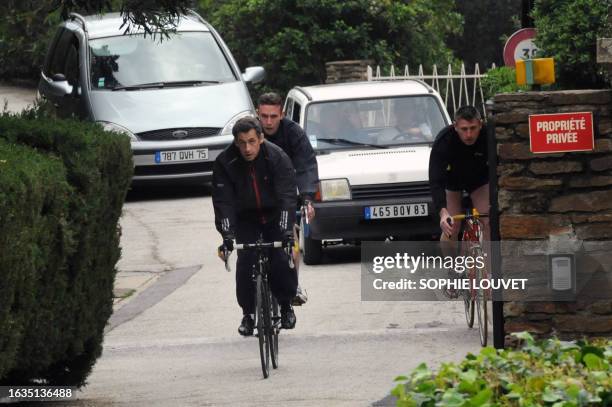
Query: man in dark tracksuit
pixel 458 163
pixel 289 136
pixel 254 193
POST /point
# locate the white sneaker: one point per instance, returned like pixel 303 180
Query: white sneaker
pixel 300 297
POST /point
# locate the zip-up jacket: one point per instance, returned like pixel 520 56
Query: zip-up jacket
pixel 292 139
pixel 261 190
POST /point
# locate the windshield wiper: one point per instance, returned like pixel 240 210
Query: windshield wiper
pixel 164 84
pixel 349 142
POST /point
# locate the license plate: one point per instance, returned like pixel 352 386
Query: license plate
pixel 395 211
pixel 199 154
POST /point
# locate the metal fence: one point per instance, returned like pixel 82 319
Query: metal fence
pixel 462 88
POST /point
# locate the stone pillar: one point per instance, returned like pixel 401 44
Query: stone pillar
pixel 546 199
pixel 347 71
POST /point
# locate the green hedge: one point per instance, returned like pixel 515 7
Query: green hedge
pixel 62 186
pixel 544 373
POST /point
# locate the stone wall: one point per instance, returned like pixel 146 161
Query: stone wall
pixel 347 71
pixel 547 198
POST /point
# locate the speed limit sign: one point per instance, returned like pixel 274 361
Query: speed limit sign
pixel 519 46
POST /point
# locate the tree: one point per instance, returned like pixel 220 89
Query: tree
pixel 294 39
pixel 26 26
pixel 568 31
pixel 487 23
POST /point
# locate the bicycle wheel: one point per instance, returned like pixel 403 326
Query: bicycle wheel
pixel 481 300
pixel 263 309
pixel 274 333
pixel 468 304
pixel 468 298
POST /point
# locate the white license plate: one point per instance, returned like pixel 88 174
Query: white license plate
pixel 199 154
pixel 395 211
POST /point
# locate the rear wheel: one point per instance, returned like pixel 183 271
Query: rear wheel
pixel 312 249
pixel 274 333
pixel 263 309
pixel 481 300
pixel 468 304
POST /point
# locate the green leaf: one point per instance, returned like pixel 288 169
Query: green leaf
pixel 551 396
pixel 452 398
pixel 524 336
pixel 482 398
pixel 593 362
pixel 400 378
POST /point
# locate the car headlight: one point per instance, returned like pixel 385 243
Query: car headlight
pixel 108 126
pixel 335 189
pixel 227 130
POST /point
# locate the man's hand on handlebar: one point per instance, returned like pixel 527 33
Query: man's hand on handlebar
pixel 225 249
pixel 446 222
pixel 309 209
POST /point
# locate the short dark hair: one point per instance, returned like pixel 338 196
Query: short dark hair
pixel 246 124
pixel 270 98
pixel 468 113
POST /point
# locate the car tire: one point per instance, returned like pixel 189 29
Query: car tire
pixel 312 249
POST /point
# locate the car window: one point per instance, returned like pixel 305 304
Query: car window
pixel 51 52
pixel 67 41
pixel 130 60
pixel 296 112
pixel 289 108
pixel 380 121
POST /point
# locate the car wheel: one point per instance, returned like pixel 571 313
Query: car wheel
pixel 312 249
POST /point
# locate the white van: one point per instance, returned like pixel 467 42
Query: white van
pixel 373 141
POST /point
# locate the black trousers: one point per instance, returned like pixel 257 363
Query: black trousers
pixel 283 279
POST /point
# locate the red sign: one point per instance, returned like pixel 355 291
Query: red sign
pixel 520 45
pixel 561 132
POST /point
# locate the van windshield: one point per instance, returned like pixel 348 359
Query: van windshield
pixel 127 61
pixel 382 122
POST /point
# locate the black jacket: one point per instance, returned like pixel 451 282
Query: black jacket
pixel 294 142
pixel 262 190
pixel 455 166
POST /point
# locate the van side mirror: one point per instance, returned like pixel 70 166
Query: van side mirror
pixel 59 86
pixel 254 74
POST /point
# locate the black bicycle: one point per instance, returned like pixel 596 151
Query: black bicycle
pixel 267 316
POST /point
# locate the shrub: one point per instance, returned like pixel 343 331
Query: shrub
pixel 545 373
pixel 500 80
pixel 568 31
pixel 62 186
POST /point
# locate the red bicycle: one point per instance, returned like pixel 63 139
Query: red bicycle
pixel 475 297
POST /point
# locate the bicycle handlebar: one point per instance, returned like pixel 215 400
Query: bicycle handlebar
pixel 473 215
pixel 256 245
pixel 242 246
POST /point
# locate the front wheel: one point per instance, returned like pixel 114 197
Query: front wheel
pixel 481 300
pixel 312 249
pixel 263 325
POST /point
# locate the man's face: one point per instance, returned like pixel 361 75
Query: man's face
pixel 468 130
pixel 270 117
pixel 249 144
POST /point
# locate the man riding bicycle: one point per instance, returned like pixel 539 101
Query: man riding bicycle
pixel 458 162
pixel 289 136
pixel 254 194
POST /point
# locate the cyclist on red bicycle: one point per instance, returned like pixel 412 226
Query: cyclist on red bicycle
pixel 289 136
pixel 458 162
pixel 254 193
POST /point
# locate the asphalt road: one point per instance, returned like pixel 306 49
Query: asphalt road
pixel 176 342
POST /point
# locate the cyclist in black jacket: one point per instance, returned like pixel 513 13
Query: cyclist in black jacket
pixel 254 193
pixel 289 136
pixel 458 162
